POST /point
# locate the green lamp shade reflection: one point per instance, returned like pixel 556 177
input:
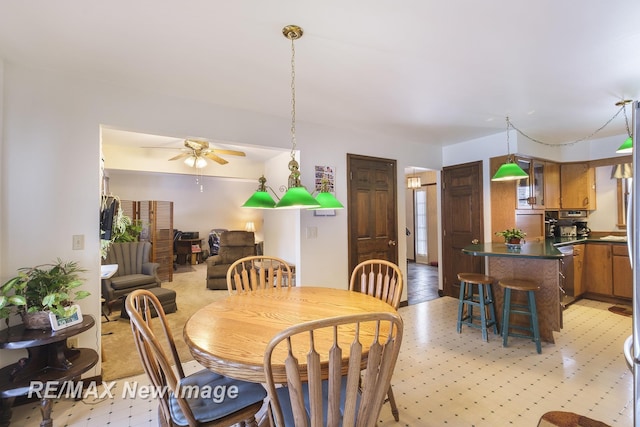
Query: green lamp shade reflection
pixel 509 172
pixel 327 201
pixel 260 200
pixel 297 198
pixel 626 147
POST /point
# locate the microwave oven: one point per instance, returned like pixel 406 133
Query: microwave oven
pixel 572 214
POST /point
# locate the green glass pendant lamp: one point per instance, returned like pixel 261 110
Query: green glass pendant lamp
pixel 627 145
pixel 296 195
pixel 510 170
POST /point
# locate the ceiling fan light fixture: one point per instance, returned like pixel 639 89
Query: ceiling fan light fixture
pixel 195 162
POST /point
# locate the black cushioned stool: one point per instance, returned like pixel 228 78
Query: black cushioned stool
pixel 483 299
pixel 167 298
pixel 530 287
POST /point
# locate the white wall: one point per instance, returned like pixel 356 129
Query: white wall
pixel 217 206
pixel 50 182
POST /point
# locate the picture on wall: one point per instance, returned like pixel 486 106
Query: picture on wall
pixel 326 175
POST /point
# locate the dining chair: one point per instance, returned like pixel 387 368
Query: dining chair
pixel 322 361
pixel 381 279
pixel 258 272
pixel 203 398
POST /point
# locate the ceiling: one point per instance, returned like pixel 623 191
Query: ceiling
pixel 435 72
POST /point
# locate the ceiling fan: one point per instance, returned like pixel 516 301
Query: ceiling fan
pixel 196 153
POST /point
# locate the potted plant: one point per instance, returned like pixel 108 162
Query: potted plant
pixel 513 236
pixel 43 289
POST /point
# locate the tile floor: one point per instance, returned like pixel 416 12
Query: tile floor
pixel 447 379
pixel 422 283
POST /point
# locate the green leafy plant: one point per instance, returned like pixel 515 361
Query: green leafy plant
pixel 511 234
pixel 9 300
pixel 46 287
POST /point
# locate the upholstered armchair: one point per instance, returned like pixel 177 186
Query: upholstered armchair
pixel 135 271
pixel 233 246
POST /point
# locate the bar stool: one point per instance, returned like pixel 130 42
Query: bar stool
pixel 530 287
pixel 483 300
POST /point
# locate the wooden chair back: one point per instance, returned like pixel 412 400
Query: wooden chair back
pixel 258 272
pixel 157 365
pixel 333 351
pixel 379 278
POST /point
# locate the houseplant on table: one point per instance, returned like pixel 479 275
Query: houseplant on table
pixel 43 289
pixel 512 236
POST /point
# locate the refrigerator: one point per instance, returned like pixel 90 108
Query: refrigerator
pixel 632 345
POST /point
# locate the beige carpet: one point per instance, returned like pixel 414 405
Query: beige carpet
pixel 120 357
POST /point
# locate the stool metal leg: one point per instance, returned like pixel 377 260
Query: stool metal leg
pixel 492 309
pixel 505 316
pixel 483 312
pixel 461 305
pixel 534 320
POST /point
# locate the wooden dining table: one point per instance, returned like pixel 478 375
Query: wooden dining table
pixel 229 336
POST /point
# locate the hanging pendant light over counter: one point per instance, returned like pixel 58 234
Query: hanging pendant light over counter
pixel 510 170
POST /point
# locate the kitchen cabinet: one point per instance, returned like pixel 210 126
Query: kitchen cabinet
pixel 622 279
pixel 541 189
pixel 598 269
pixel 607 270
pixel 577 186
pixel 551 185
pixel 578 268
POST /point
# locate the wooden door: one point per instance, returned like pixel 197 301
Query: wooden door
pixel 462 222
pixel 372 209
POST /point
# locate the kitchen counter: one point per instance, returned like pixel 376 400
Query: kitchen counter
pixel 538 261
pixel 543 250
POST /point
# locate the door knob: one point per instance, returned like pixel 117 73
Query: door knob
pixel 474 241
pixel 392 242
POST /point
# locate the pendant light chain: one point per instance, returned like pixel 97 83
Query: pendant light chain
pixel 293 95
pixel 591 135
pixel 626 120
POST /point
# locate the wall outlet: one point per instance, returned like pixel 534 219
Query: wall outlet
pixel 72 342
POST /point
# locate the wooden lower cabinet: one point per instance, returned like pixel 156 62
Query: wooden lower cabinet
pixel 607 270
pixel 622 278
pixel 578 269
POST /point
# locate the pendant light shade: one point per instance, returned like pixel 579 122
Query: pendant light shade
pixel 328 201
pixel 510 171
pixel 626 147
pixel 297 198
pixel 261 199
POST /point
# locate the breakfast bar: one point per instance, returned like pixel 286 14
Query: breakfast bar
pixel 538 261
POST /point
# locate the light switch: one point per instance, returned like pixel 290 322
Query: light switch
pixel 78 242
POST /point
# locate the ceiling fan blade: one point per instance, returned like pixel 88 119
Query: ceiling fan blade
pixel 180 156
pixel 229 152
pixel 217 159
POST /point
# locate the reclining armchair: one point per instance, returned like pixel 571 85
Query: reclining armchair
pixel 233 246
pixel 135 271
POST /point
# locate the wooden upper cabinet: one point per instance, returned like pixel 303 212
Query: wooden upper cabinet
pixel 551 185
pixel 578 186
